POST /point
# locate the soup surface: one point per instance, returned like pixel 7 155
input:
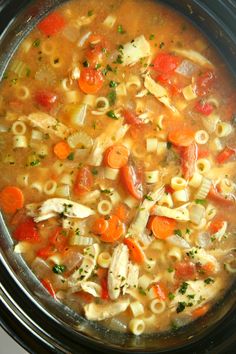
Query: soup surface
pixel 118 163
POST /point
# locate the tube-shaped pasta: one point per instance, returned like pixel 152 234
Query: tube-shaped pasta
pixel 151 144
pixel 71 96
pixel 174 254
pixel 58 167
pixel 210 212
pixel 133 80
pixel 131 202
pixel 136 326
pixel 50 187
pixel 227 185
pixel 166 200
pixel 55 61
pixel 104 259
pixel 230 266
pixel 223 129
pixel 181 195
pixel 144 281
pixel 216 144
pixel 138 151
pixel 157 306
pixel 213 101
pixel 76 240
pixel 66 178
pixel 104 207
pixel 196 180
pixel 23 180
pixel 89 100
pixel 211 122
pixel 114 197
pixel 22 92
pixel 109 21
pixel 37 186
pixel 102 104
pixel 48 47
pixel 189 93
pixel 36 135
pixel 22 247
pixel 18 128
pixel 63 191
pixel 161 148
pixel 42 150
pixel 79 139
pixel 152 176
pixel 204 188
pixel 203 166
pixel 201 137
pixel 160 121
pixel 157 245
pixel 19 141
pixel 111 173
pixel 65 85
pixel 178 183
pixel 136 308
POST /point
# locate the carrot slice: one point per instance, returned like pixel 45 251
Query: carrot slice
pixel 161 226
pixel 201 311
pixel 225 155
pixel 216 225
pixel 62 150
pixel 100 226
pixel 189 156
pixel 114 231
pixel 181 137
pixel 116 156
pixel 11 199
pixel 136 253
pixel 217 198
pixel 131 181
pixel 209 268
pixel 122 212
pixel 91 80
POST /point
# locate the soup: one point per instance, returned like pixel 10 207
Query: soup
pixel 118 163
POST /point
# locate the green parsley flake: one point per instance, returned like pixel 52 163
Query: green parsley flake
pixel 111 114
pixel 90 13
pixel 71 156
pixel 120 29
pixel 200 201
pixel 181 306
pixel 36 43
pixel 209 281
pixel 113 84
pixel 151 37
pixel 59 269
pixel 183 288
pixel 112 97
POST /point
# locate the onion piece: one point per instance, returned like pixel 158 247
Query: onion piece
pixel 186 68
pixel 203 239
pixel 178 241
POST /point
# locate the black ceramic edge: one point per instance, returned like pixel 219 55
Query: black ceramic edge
pixel 10 324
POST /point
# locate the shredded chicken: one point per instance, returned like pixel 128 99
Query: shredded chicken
pixel 180 214
pixel 47 124
pixel 132 277
pixel 194 56
pixel 99 312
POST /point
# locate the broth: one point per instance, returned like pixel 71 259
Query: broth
pixel 118 163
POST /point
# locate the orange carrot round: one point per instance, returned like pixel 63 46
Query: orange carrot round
pixel 116 156
pixel 200 311
pixel 100 226
pixel 62 150
pixel 161 226
pixel 181 137
pixel 136 253
pixel 114 231
pixel 11 199
pixel 122 212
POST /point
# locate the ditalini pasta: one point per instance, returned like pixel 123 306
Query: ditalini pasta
pixel 118 168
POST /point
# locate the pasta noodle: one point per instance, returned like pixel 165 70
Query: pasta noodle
pixel 18 128
pixel 111 173
pixel 174 254
pixel 22 92
pixel 152 176
pixel 178 183
pixel 50 187
pixel 104 207
pixel 137 326
pixel 104 259
pixel 203 166
pixel 201 137
pixel 19 141
pixel 136 308
pixel 157 306
pixel 223 129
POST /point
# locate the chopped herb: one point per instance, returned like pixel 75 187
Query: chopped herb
pixel 94 171
pixel 106 191
pixel 178 232
pixel 46 136
pixel 141 291
pixel 113 84
pixel 14 81
pixel 200 201
pixel 36 43
pixel 171 296
pixel 183 288
pixel 119 59
pixel 188 231
pixel 111 114
pixel 169 145
pixel 174 326
pixel 71 156
pixel 34 163
pixel 86 64
pixel 148 197
pixel 161 45
pixel 181 306
pixel 90 13
pixel 59 268
pixel 191 254
pixel 56 61
pixel 107 69
pixel 170 270
pixel 27 72
pixel 209 281
pixel 97 66
pixel 112 97
pixel 120 29
pixel 191 296
pixel 183 27
pixel 213 239
pixel 151 37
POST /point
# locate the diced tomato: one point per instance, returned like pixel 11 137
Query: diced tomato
pixel 203 153
pixel 98 46
pixel 45 252
pixel 83 181
pixel 218 198
pixel 104 294
pixel 225 155
pixel 27 231
pixel 91 80
pixel 131 117
pixel 131 182
pixel 189 156
pixel 52 24
pixel 46 98
pixel 58 239
pixel 168 80
pixel 185 270
pixel 48 286
pixel 204 108
pixel 166 63
pixel 169 189
pixel 216 225
pixel 205 83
